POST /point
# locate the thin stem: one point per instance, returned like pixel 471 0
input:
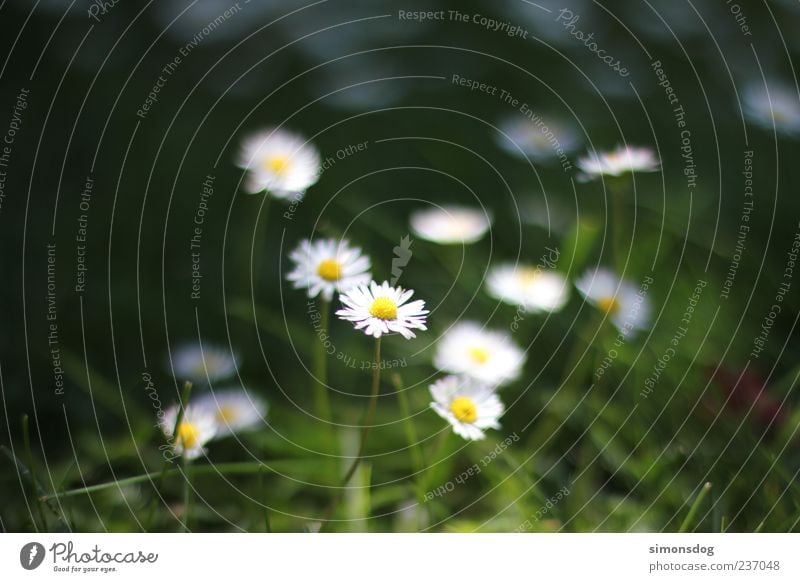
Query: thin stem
pixel 321 398
pixel 184 400
pixel 369 419
pixel 258 243
pixel 417 461
pixel 187 494
pixel 26 439
pixel 693 509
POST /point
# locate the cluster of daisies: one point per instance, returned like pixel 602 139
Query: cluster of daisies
pixel 215 413
pixel 478 362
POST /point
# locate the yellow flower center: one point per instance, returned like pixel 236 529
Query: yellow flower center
pixel 330 270
pixel 609 305
pixel 188 435
pixel 479 355
pixel 226 413
pixel 528 275
pixel 277 164
pixel 383 308
pixel 464 409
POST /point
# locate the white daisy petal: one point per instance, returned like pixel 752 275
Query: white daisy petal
pixel 527 286
pixel 279 162
pixel 623 160
pixel 380 309
pixel 201 364
pixel 469 406
pixel 541 140
pixel 627 307
pixel 197 427
pixel 234 410
pixel 450 224
pixel 326 266
pixel 490 357
pixel 775 106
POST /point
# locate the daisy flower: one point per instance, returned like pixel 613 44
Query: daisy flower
pixel 627 307
pixel 780 108
pixel 380 309
pixel 484 355
pixel 470 407
pixel 324 266
pixel 280 162
pixel 450 224
pixel 234 410
pixel 197 427
pixel 540 141
pixel 527 286
pixel 203 364
pixel 621 161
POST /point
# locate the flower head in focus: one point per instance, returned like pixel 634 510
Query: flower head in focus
pixel 470 407
pixel 381 309
pixel 202 364
pixel 280 162
pixel 626 305
pixel 327 266
pixel 622 160
pixel 450 224
pixel 197 427
pixel 527 286
pixel 490 357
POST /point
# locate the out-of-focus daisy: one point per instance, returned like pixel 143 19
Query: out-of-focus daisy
pixel 380 309
pixel 484 355
pixel 450 224
pixel 540 140
pixel 197 427
pixel 627 307
pixel 622 160
pixel 779 108
pixel 528 286
pixel 234 410
pixel 469 406
pixel 324 266
pixel 280 162
pixel 202 365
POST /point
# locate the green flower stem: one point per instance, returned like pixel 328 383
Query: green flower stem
pixel 369 419
pixel 321 398
pixel 26 439
pixel 258 243
pixel 187 493
pixel 184 400
pixel 417 461
pixel 693 509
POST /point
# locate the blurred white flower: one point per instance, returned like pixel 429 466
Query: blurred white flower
pixel 450 224
pixel 487 356
pixel 622 160
pixel 470 407
pixel 280 162
pixel 202 365
pixel 327 266
pixel 234 410
pixel 381 309
pixel 541 140
pixel 197 427
pixel 626 305
pixel 528 286
pixel 779 109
